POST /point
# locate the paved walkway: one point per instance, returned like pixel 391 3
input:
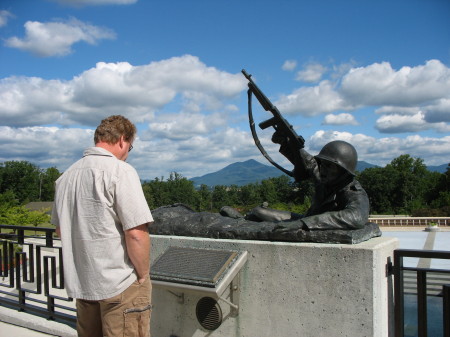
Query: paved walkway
pixel 14 323
pixel 419 238
pixel 429 245
pixel 7 329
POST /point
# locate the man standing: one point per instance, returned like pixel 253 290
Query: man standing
pixel 102 216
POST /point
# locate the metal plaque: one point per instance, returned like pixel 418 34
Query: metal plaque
pixel 202 267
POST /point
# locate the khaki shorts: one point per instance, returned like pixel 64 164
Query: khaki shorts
pixel 127 314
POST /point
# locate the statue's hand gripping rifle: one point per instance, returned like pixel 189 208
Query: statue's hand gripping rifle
pixel 281 125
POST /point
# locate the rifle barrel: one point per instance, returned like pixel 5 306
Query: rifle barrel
pixel 247 75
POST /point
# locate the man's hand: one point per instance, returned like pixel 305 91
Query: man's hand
pixel 279 138
pixel 142 280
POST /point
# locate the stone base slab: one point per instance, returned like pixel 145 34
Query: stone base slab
pixel 289 289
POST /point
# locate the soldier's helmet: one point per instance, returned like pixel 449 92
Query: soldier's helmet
pixel 341 153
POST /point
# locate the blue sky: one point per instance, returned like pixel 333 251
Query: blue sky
pixel 373 73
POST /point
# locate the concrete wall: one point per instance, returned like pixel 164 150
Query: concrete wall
pixel 290 289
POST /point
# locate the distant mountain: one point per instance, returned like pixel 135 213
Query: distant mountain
pixel 362 165
pixel 247 172
pixel 240 174
pixel 441 168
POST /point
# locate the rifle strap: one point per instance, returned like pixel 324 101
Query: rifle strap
pixel 256 139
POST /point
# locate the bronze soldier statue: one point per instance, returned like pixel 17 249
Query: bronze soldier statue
pixel 340 207
pixel 339 201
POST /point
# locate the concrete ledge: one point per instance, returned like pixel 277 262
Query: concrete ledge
pixel 37 323
pixel 289 289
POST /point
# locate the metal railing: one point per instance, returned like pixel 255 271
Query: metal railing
pixel 408 221
pixel 428 282
pixel 31 273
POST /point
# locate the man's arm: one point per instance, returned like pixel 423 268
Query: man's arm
pixel 354 215
pixel 138 247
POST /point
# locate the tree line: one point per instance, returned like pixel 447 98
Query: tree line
pixel 404 186
pixel 20 183
pixel 279 192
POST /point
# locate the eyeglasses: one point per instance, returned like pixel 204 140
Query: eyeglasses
pixel 130 148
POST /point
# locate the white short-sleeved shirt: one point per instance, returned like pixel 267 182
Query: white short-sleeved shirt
pixel 96 199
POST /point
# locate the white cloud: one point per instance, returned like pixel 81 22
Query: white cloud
pixel 321 137
pixel 32 101
pixel 312 101
pixel 382 151
pixel 80 3
pixel 188 140
pixel 311 73
pixel 4 16
pixel 439 112
pixel 44 146
pixel 395 110
pixel 117 88
pixel 396 123
pixel 187 116
pixel 56 38
pixel 340 119
pixel 183 126
pixel 338 71
pixel 192 156
pixel 401 123
pixel 289 65
pixel 407 91
pixel 379 84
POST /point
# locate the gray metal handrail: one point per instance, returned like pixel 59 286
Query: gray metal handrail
pixel 421 279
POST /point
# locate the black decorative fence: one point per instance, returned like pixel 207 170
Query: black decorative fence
pixel 32 278
pixel 422 295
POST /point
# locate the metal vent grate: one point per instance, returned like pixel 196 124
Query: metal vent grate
pixel 209 313
pixel 195 266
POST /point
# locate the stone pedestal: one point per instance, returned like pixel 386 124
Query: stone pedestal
pixel 288 289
